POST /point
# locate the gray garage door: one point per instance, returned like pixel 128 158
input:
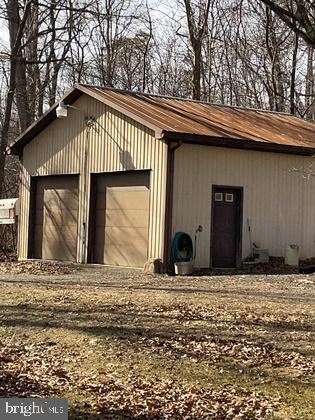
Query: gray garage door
pixel 56 218
pixel 121 218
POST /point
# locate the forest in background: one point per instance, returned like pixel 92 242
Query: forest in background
pixel 250 53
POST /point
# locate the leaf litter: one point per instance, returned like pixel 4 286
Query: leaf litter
pixel 36 268
pixel 35 371
pixel 219 329
pixel 244 352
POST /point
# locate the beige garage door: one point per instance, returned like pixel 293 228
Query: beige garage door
pixel 56 218
pixel 122 217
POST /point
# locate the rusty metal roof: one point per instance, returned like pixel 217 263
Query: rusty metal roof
pixel 176 118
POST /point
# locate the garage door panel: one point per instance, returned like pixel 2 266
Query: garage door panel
pixel 120 236
pixel 52 232
pixel 60 216
pixel 130 200
pixel 59 250
pixel 114 199
pixel 126 218
pixel 56 218
pixel 125 236
pixel 130 255
pixel 61 198
pixel 121 218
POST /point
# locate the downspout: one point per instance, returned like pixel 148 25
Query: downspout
pixel 167 260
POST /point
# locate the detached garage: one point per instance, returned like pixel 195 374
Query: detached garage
pixel 114 179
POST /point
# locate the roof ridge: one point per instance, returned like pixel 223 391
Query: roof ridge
pixel 178 98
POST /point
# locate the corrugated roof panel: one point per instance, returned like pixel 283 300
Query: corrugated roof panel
pixel 192 117
pixel 238 126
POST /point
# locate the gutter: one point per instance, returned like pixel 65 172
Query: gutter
pixel 240 144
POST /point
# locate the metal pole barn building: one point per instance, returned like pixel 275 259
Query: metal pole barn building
pixel 114 179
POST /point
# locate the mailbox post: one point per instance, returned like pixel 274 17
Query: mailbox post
pixel 9 210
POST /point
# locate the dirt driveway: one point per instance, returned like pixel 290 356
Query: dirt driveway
pixel 121 344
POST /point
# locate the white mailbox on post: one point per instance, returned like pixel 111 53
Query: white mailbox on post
pixel 9 210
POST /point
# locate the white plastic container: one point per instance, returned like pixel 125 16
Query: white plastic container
pixel 292 255
pixel 183 268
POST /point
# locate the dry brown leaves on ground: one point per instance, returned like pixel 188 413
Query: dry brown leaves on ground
pixel 167 400
pixel 244 352
pixel 33 370
pixel 27 370
pixel 35 268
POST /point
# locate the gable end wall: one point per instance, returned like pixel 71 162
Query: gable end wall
pixel 113 143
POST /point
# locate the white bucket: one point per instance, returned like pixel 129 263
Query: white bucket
pixel 183 268
pixel 292 255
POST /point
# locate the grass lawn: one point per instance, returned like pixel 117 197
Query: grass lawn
pixel 121 344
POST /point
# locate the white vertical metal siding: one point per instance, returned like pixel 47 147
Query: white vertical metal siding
pixel 24 192
pixel 278 202
pixel 113 143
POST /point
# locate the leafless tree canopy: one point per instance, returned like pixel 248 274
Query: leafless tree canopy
pixel 241 52
pixel 299 15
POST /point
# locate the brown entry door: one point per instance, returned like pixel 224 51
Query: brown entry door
pixel 226 227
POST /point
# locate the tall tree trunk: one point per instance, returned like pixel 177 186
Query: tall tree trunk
pixel 276 69
pixel 293 75
pixel 22 101
pixel 197 27
pixel 16 29
pixel 32 67
pixel 309 85
pixel 197 71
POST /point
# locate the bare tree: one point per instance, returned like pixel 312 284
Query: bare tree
pixel 273 43
pixel 197 13
pixel 298 15
pixel 310 85
pixel 240 52
pixel 16 29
